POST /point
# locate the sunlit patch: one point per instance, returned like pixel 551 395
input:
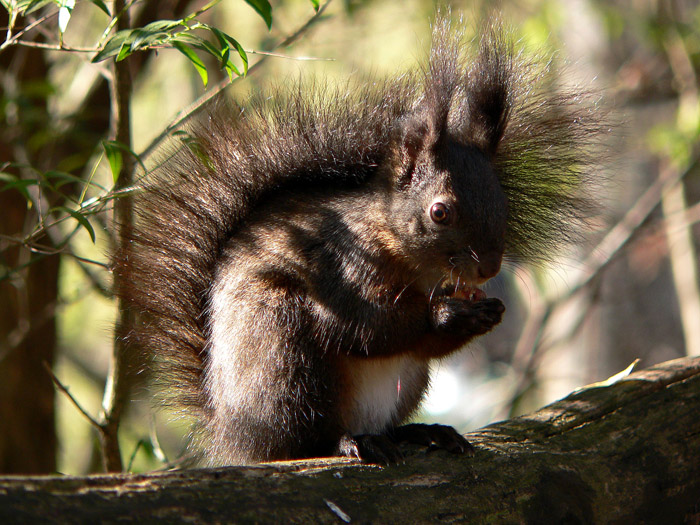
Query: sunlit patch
pixel 444 393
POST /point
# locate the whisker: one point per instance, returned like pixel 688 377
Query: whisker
pixel 403 290
pixel 432 292
pixel 451 272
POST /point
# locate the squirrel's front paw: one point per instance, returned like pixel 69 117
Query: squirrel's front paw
pixel 466 318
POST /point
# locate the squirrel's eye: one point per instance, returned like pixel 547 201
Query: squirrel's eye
pixel 439 213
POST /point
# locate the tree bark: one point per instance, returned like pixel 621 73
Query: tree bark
pixel 625 453
pixel 28 296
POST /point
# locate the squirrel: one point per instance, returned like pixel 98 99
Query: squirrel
pixel 301 260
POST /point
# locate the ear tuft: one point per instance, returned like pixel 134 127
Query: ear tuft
pixel 414 136
pixel 490 91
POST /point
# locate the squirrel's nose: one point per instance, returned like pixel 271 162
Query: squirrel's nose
pixel 489 265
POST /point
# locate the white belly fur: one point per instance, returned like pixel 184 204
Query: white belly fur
pixel 380 387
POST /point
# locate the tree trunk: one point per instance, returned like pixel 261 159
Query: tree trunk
pixel 625 453
pixel 28 296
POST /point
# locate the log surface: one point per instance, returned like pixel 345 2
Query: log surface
pixel 624 453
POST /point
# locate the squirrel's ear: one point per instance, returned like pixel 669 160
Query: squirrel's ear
pixel 489 93
pixel 414 136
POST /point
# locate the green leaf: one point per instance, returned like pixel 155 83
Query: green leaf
pixel 316 4
pixel 222 55
pixel 127 41
pixel 160 26
pixel 226 41
pixel 21 185
pixel 141 38
pixel 101 5
pixel 124 52
pixel 28 6
pixel 196 61
pixel 9 177
pixel 154 33
pixel 113 46
pixel 81 220
pixel 113 150
pixel 60 178
pixel 264 9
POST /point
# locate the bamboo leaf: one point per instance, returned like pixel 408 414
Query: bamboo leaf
pixel 124 52
pixel 114 156
pixel 264 9
pixel 113 46
pixel 196 61
pixel 82 220
pixel 114 151
pixel 60 178
pixel 227 41
pixel 21 185
pixel 101 5
pixel 28 6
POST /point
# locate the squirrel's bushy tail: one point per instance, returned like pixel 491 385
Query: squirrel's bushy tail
pixel 205 184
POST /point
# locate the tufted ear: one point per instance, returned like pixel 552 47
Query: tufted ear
pixel 423 131
pixel 416 137
pixel 489 93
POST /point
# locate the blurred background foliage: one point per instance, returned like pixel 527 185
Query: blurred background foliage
pixel 630 293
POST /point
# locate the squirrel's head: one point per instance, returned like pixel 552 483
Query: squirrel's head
pixel 447 204
pixel 446 207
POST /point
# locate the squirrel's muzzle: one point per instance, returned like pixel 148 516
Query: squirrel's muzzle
pixel 488 265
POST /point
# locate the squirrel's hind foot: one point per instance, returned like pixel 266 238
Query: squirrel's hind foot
pixel 433 436
pixel 384 449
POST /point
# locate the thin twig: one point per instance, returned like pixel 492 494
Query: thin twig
pixel 55 47
pixel 188 112
pixel 11 39
pixel 65 391
pixel 289 57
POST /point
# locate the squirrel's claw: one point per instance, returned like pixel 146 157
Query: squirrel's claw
pixel 370 448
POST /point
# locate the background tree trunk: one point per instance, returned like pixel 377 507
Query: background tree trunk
pixel 29 296
pixel 625 453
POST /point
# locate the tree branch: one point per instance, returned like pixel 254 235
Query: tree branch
pixel 187 113
pixel 624 453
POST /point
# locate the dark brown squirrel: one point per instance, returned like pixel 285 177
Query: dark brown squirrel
pixel 299 262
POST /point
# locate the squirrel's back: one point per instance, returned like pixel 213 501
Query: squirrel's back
pixel 494 107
